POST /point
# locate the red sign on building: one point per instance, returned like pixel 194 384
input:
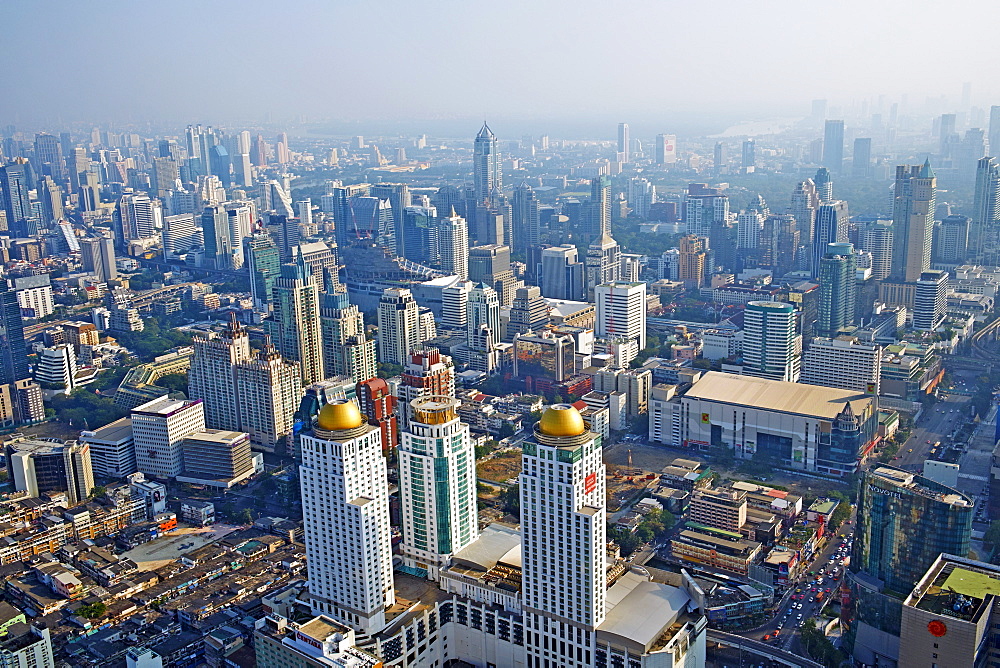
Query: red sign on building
pixel 590 483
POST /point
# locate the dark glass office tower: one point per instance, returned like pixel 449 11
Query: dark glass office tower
pixel 13 355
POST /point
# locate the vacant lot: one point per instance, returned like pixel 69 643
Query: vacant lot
pixel 165 549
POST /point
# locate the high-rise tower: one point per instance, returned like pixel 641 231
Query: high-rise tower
pixel 453 244
pixel 347 351
pixel 837 289
pixel 771 348
pixel 486 168
pixel 527 225
pixel 212 376
pixel 912 221
pixel 437 479
pixel 624 144
pixel 398 326
pixel 294 322
pixel 345 504
pixel 833 146
pixel 427 372
pixel 268 390
pixel 621 314
pixel 832 219
pixel 983 233
pixel 563 515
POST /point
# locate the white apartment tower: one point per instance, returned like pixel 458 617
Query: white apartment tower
pixel 771 348
pixel 398 325
pixel 454 300
pixel 345 503
pixel 212 375
pixel 482 308
pixel 843 362
pixel 453 244
pixel 621 314
pixel 268 390
pixel 563 541
pixel 437 476
pixel 158 428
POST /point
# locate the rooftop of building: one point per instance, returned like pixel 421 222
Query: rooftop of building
pixel 220 436
pixel 164 406
pixel 119 430
pixel 922 486
pixel 824 506
pixel 956 587
pixel 775 395
pixel 641 612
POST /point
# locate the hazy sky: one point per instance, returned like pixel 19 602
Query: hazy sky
pixel 222 60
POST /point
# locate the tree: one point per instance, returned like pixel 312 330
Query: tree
pixel 510 498
pixel 100 490
pixel 246 516
pixel 992 536
pixel 506 430
pixel 92 610
pixel 389 370
pixel 175 382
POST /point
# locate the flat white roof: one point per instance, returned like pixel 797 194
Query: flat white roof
pixel 640 610
pixel 776 395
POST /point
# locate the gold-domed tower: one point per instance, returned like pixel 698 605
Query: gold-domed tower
pixel 561 425
pixel 339 418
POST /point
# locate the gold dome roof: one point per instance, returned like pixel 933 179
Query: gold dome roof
pixel 561 420
pixel 339 415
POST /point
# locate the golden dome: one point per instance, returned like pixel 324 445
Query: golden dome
pixel 561 420
pixel 339 415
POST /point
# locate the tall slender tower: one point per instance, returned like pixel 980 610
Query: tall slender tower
pixel 624 143
pixel 437 465
pixel 345 504
pixel 453 244
pixel 771 348
pixel 294 323
pixel 527 225
pixel 603 263
pixel 15 182
pixel 837 289
pixel 346 349
pixel 268 390
pixel 986 208
pixel 833 146
pixel 486 172
pixel 398 326
pixel 805 201
pixel 832 219
pixel 912 221
pixel 212 377
pixel 264 262
pixel 563 538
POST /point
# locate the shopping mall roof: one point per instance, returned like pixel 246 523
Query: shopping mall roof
pixel 775 395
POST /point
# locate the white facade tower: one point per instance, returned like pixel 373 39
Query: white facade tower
pixel 771 348
pixel 563 541
pixel 345 503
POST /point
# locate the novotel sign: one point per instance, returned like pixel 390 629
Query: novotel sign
pixel 885 492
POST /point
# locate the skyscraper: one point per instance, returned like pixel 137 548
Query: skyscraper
pixel 666 149
pixel 985 227
pixel 563 275
pixel 453 245
pixel 904 522
pixel 824 186
pixel 861 163
pixel 832 219
pixel 268 390
pixel 805 201
pixel 135 217
pixel 833 146
pixel 347 351
pixel 345 504
pixel 437 464
pixel 218 242
pixel 398 326
pixel 837 289
pixel 526 225
pixel 692 260
pixel 771 348
pixel 876 238
pixel 912 221
pixel 564 576
pixel 15 182
pixel 930 300
pixel 158 429
pixel 212 376
pixel 994 136
pixel 294 322
pixel 624 144
pixel 603 263
pixel 599 206
pixel 482 308
pixel 748 161
pixel 378 404
pixel 487 174
pixel 264 262
pixel 13 351
pixel 621 314
pixel 180 234
pixel 98 256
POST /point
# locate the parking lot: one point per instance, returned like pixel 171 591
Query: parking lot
pixel 160 552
